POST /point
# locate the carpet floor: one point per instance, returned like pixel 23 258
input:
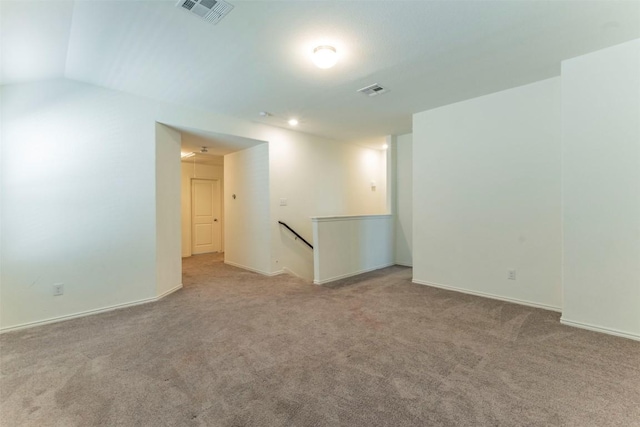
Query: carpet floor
pixel 235 348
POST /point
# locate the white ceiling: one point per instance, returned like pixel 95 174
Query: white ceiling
pixel 428 53
pixel 204 159
pixel 218 144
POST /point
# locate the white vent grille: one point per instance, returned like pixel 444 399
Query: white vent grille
pixel 209 10
pixel 373 90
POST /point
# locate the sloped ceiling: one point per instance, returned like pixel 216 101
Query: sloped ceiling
pixel 428 53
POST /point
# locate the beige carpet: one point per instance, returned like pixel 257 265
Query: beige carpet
pixel 238 349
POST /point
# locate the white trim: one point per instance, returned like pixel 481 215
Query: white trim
pixel 286 270
pixel 404 265
pixel 492 296
pixel 600 329
pixel 88 312
pixel 255 270
pixel 275 273
pixel 343 276
pixel 349 217
pixel 168 292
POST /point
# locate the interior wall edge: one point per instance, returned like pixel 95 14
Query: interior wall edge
pixel 254 270
pixel 600 329
pixel 344 276
pixel 79 314
pixel 490 296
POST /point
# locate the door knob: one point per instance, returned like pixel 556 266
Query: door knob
pixel 215 220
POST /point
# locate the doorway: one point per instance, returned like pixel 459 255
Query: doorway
pixel 206 211
pixel 204 227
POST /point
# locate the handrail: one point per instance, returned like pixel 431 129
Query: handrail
pixel 297 235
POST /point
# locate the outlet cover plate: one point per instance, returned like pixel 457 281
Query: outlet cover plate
pixel 58 289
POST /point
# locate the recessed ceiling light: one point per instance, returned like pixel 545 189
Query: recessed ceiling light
pixel 385 146
pixel 325 56
pixel 293 122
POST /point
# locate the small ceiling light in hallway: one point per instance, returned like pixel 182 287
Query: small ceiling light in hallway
pixel 325 56
pixel 293 122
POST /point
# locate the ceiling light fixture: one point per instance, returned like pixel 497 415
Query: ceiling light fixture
pixel 325 56
pixel 293 122
pixel 385 146
pixel 187 155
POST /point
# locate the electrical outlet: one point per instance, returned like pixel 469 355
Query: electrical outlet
pixel 58 289
pixel 283 202
pixel 511 274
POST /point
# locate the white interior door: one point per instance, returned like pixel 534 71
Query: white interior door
pixel 205 216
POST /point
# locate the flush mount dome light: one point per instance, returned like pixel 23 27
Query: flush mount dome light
pixel 325 56
pixel 293 122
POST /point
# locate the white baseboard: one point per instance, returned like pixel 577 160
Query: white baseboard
pixel 344 276
pixel 255 270
pixel 404 265
pixel 275 273
pixel 168 292
pixel 88 312
pixel 600 329
pixel 492 296
pixel 290 272
pixel 293 273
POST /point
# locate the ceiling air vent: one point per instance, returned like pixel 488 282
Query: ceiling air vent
pixel 373 90
pixel 209 10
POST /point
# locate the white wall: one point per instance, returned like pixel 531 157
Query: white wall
pixel 601 190
pixel 78 201
pixel 486 176
pixel 404 200
pixel 319 177
pixel 168 260
pixel 247 227
pixel 79 194
pixel 189 171
pixel 349 245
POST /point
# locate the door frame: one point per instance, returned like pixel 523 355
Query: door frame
pixel 217 182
